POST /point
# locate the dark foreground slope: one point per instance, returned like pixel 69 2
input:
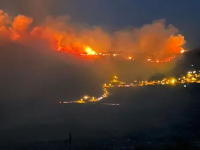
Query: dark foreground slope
pixel 33 82
pixel 148 117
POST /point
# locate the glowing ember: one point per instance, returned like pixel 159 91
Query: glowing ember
pixel 130 58
pixel 89 51
pixel 182 51
pixel 59 48
pixel 149 59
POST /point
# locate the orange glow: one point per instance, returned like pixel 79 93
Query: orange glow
pixel 182 51
pixel 59 48
pixel 89 51
pixel 129 57
pixel 21 23
pixel 61 36
pixel 149 59
pixel 167 59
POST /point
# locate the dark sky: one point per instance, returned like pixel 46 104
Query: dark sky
pixel 112 14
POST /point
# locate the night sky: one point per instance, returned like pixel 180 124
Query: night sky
pixel 114 15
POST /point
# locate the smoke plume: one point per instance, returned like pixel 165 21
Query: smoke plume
pixel 59 34
pixel 152 38
pixel 44 40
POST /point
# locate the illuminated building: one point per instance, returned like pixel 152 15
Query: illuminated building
pixel 93 99
pixel 86 97
pixel 81 101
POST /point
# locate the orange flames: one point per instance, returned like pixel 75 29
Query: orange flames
pixel 149 39
pixel 182 51
pixel 90 51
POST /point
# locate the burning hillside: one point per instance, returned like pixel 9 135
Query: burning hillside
pixel 60 35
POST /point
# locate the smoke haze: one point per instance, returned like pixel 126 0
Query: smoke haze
pixel 33 71
pixel 59 32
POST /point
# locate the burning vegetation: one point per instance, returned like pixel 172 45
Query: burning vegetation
pixel 152 40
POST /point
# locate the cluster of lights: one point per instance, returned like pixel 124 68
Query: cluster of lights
pixel 89 99
pixel 190 77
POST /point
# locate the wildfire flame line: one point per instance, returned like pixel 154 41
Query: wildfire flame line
pixel 60 36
